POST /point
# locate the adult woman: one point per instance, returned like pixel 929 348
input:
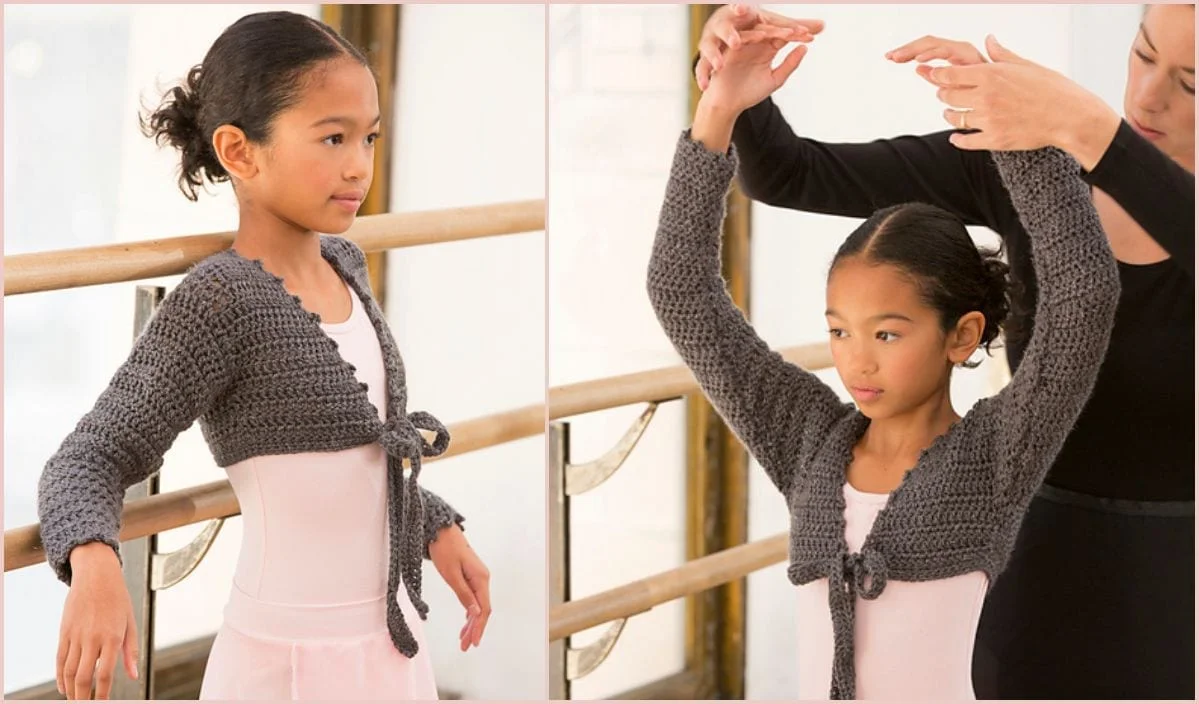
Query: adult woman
pixel 1098 599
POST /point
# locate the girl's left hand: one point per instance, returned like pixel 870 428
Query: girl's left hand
pixel 1015 104
pixel 468 577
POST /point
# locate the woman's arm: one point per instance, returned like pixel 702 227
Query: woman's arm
pixel 1153 188
pixel 176 369
pixel 1017 104
pixel 779 168
pixel 1076 305
pixel 777 409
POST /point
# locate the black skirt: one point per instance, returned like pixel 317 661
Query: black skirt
pixel 1097 602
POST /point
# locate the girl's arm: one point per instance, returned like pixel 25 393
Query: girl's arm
pixel 777 409
pixel 779 168
pixel 175 371
pixel 1076 305
pixel 1152 188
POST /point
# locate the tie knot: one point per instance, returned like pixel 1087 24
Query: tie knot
pixel 400 436
pixel 864 573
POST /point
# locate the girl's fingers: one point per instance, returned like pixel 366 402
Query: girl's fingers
pixel 105 666
pixel 810 26
pixel 703 73
pixel 784 70
pixel 70 668
pixel 60 661
pixel 711 50
pixel 86 671
pixel 130 647
pixel 480 626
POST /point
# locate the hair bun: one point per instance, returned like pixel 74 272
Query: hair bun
pixel 178 122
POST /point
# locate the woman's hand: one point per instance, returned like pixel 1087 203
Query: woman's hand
pixel 734 26
pixel 468 577
pixel 1015 104
pixel 97 625
pixel 745 80
pixel 930 48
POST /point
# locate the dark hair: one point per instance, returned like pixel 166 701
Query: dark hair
pixel 252 72
pixel 932 247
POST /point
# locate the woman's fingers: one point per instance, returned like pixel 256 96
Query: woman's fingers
pixel 962 98
pixel 970 141
pixel 964 119
pixel 953 76
pixel 929 47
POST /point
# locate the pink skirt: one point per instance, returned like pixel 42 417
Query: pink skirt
pixel 336 652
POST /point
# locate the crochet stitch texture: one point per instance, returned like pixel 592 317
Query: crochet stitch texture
pixel 959 508
pixel 233 348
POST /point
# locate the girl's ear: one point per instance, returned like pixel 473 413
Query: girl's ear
pixel 235 152
pixel 965 337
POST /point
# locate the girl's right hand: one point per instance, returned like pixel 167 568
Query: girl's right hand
pixel 747 78
pixel 97 625
pixel 734 26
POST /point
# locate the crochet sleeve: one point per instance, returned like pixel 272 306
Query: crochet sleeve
pixel 1078 290
pixel 777 409
pixel 438 515
pixel 173 374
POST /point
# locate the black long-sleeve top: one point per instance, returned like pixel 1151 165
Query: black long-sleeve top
pixel 1135 437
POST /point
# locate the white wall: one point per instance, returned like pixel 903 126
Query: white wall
pixel 470 316
pixel 619 78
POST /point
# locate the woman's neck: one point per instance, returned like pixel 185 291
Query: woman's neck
pixel 907 434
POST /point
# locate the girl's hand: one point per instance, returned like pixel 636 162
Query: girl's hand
pixel 733 26
pixel 97 625
pixel 1015 104
pixel 468 577
pixel 746 80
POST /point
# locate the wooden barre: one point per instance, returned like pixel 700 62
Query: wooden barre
pixel 133 261
pixel 637 597
pixel 656 384
pixel 155 514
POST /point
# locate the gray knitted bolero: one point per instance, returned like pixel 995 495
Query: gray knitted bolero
pixel 233 348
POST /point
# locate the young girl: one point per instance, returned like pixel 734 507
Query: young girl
pixel 279 349
pixel 902 512
pixel 1098 599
